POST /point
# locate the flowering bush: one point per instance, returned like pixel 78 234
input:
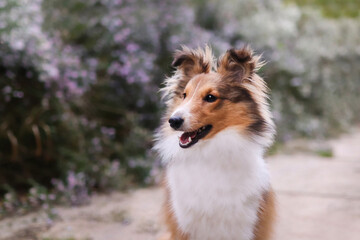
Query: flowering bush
pixel 79 82
pixel 80 91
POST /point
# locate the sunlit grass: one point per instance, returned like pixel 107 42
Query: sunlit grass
pixel 325 153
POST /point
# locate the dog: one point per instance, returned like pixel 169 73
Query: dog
pixel 215 131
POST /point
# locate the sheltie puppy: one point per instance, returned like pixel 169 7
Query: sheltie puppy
pixel 212 140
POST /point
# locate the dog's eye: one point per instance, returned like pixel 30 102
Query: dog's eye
pixel 210 98
pixel 184 95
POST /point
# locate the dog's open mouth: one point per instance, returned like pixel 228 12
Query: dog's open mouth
pixel 188 139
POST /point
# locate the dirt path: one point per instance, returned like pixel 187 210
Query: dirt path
pixel 318 199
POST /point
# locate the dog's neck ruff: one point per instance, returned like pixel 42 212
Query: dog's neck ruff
pixel 216 186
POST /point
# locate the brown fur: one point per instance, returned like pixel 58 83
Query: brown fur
pixel 188 63
pixel 266 215
pixel 238 64
pixel 191 62
pixel 225 111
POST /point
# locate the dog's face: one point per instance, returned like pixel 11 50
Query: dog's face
pixel 206 107
pixel 205 102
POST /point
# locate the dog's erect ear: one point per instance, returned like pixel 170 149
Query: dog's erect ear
pixel 192 62
pixel 188 63
pixel 238 64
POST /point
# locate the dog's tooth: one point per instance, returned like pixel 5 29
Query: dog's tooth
pixel 189 139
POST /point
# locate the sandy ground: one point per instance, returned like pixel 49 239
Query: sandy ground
pixel 318 198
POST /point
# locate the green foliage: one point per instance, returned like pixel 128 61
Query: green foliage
pixel 26 120
pixel 332 8
pixel 63 109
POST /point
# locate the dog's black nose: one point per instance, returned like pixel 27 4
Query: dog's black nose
pixel 175 122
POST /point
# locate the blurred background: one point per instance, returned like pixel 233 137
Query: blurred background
pixel 79 84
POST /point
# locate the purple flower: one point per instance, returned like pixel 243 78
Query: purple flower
pixel 71 179
pixel 132 47
pixel 122 35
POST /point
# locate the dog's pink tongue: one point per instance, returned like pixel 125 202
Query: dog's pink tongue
pixel 185 136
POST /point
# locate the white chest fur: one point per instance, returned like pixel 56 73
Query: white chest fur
pixel 216 185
